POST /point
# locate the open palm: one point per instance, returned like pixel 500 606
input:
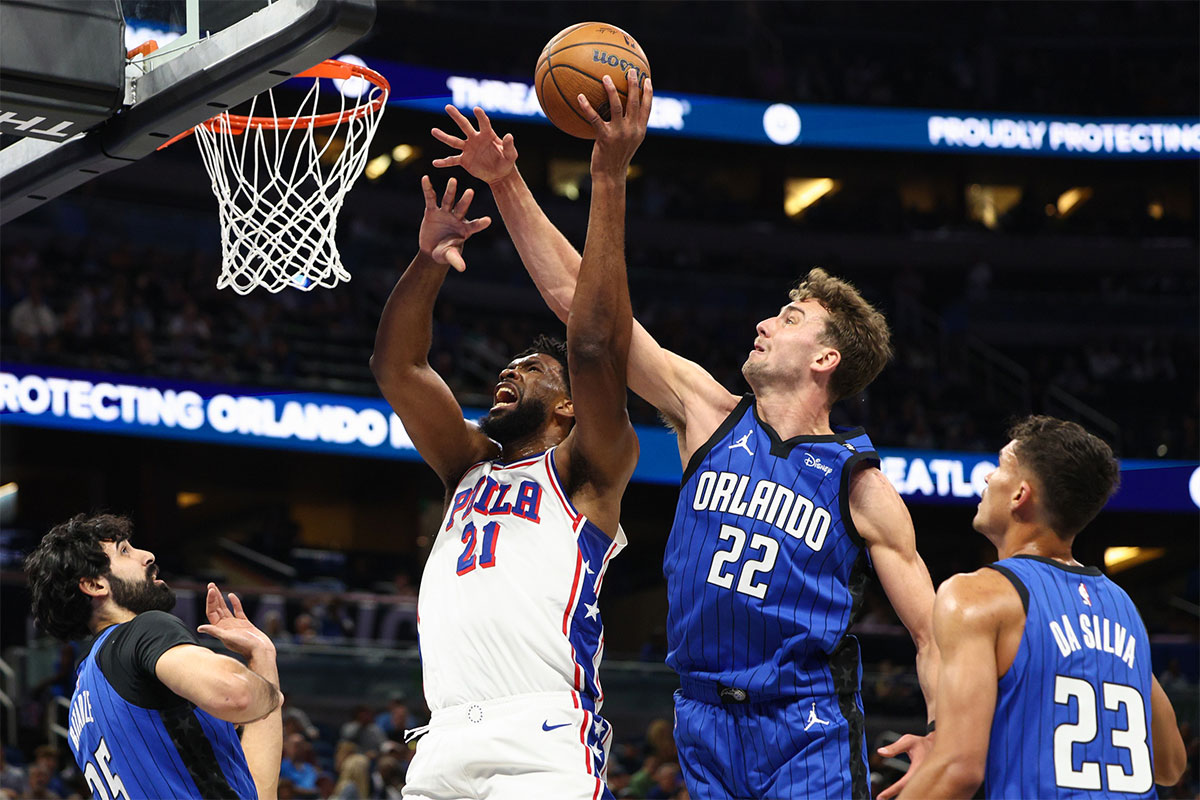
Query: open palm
pixel 483 153
pixel 445 227
pixel 233 628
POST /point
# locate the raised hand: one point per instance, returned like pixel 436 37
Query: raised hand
pixel 917 747
pixel 618 139
pixel 484 154
pixel 232 628
pixel 445 228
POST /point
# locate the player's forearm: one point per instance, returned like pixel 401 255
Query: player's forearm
pixel 929 664
pixel 600 323
pixel 262 741
pixel 943 776
pixel 405 331
pixel 550 259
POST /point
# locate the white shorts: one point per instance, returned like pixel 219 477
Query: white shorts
pixel 515 748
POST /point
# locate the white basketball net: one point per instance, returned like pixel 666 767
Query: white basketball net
pixel 280 190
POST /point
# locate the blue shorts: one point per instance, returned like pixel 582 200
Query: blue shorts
pixel 813 747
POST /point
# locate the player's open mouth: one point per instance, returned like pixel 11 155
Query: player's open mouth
pixel 505 395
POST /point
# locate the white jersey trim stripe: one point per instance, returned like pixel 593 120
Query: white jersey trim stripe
pixel 575 516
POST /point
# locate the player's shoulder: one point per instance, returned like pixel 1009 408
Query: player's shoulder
pixel 156 621
pixel 981 597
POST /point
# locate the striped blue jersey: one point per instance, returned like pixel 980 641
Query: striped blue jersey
pixel 125 750
pixel 1073 710
pixel 764 568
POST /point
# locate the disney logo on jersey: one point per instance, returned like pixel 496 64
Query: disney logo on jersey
pixel 812 461
pixel 794 514
pixel 487 498
pixel 1087 601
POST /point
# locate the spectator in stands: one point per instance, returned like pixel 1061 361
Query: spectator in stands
pixel 37 787
pixel 666 782
pixel 387 780
pixel 396 719
pixel 32 321
pixel 354 779
pixel 12 777
pixel 1172 678
pixel 47 755
pixel 363 731
pixel 299 766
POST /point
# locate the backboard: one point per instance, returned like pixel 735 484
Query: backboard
pixel 211 55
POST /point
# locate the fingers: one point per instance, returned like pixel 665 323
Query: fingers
pixel 509 146
pixel 901 745
pixel 615 109
pixel 463 123
pixel 590 114
pixel 455 259
pixel 894 789
pixel 646 99
pixel 464 203
pixel 448 161
pixel 214 605
pixel 236 602
pixel 446 138
pixel 633 91
pixel 476 225
pixel 427 190
pixel 485 124
pixel 448 196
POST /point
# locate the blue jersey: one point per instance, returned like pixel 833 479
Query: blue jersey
pixel 1073 710
pixel 133 738
pixel 764 567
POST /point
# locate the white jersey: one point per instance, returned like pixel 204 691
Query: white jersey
pixel 508 599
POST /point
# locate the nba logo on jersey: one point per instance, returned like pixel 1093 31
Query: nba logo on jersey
pixel 1087 601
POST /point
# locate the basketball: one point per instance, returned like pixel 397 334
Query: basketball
pixel 575 62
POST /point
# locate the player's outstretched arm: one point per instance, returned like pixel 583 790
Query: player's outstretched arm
pixel 1170 753
pixel 262 740
pixel 885 525
pixel 968 617
pixel 683 391
pixel 602 446
pixel 430 413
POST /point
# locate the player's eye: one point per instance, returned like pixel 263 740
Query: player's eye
pixel 534 368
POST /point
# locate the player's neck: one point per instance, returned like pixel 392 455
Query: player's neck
pixel 1035 540
pixel 799 411
pixel 108 615
pixel 527 446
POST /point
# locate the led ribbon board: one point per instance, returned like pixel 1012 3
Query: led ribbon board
pixel 65 399
pixel 840 127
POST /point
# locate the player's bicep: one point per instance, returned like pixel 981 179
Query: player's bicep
pixel 966 634
pixel 884 523
pixel 680 389
pixel 434 421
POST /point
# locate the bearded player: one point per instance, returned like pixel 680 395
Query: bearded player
pixel 510 631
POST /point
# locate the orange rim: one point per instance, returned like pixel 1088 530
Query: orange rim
pixel 329 68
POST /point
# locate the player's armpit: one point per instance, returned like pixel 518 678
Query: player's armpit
pixel 970 613
pixel 217 684
pixel 883 521
pixel 1170 753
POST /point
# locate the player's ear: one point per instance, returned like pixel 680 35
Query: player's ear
pixel 94 587
pixel 1022 499
pixel 564 408
pixel 826 360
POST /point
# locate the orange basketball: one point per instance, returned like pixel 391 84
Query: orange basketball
pixel 575 62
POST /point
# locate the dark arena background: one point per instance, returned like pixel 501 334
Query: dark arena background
pixel 1014 185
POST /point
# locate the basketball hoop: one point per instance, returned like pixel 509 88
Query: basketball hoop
pixel 280 185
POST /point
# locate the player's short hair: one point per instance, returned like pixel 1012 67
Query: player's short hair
pixel 546 345
pixel 1076 470
pixel 858 331
pixel 71 551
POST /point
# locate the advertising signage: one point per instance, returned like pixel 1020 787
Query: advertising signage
pixel 804 125
pixel 66 399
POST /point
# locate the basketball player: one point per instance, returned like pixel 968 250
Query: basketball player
pixel 510 631
pixel 153 711
pixel 1046 686
pixel 779 518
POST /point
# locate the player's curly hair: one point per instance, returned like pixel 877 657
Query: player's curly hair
pixel 555 348
pixel 1076 469
pixel 71 551
pixel 858 331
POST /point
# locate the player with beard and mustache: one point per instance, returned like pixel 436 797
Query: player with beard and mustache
pixel 508 614
pixel 153 712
